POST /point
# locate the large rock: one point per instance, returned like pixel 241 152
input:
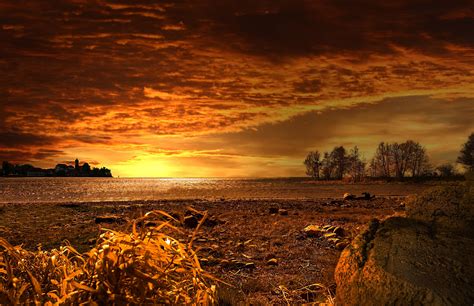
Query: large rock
pixel 445 209
pixel 424 259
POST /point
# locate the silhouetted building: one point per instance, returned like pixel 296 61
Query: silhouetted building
pixel 36 172
pixel 60 169
pixel 8 169
pixel 86 169
pixel 70 171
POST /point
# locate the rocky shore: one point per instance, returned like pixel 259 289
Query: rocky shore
pixel 268 251
pixel 286 251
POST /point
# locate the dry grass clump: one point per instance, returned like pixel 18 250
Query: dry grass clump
pixel 145 266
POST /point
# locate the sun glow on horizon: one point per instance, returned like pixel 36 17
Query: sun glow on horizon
pixel 146 166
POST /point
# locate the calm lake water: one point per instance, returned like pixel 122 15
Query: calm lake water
pixel 39 190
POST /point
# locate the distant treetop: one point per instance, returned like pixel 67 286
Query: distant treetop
pixel 466 156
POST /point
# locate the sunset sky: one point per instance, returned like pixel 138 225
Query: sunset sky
pixel 231 88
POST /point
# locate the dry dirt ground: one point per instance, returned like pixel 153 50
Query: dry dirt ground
pixel 257 246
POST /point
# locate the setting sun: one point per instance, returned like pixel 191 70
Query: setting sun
pixel 147 166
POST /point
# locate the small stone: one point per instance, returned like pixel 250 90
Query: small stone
pixel 109 219
pixel 191 221
pixel 339 231
pixel 367 196
pixel 211 222
pixel 272 262
pixel 194 213
pixel 150 224
pixel 283 212
pixel 438 213
pixel 269 256
pixel 175 215
pixel 313 231
pixel 348 196
pixel 273 210
pixel 237 264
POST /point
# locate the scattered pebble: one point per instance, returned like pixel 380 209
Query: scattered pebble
pixel 190 221
pixel 109 219
pixel 272 262
pixel 312 231
pixel 273 210
pixel 348 196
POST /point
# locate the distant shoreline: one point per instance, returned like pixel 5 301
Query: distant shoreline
pixel 368 180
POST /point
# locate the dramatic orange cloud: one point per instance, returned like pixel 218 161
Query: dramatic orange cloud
pixel 225 88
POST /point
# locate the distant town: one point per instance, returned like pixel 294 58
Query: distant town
pixel 63 170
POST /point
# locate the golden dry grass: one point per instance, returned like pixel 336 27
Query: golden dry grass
pixel 144 266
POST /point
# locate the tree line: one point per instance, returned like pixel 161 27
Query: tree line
pixel 391 160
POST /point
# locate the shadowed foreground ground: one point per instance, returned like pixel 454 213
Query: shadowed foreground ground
pixel 265 255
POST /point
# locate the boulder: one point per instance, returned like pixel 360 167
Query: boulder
pixel 446 209
pixel 423 259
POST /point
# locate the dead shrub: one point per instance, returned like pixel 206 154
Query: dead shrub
pixel 144 266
